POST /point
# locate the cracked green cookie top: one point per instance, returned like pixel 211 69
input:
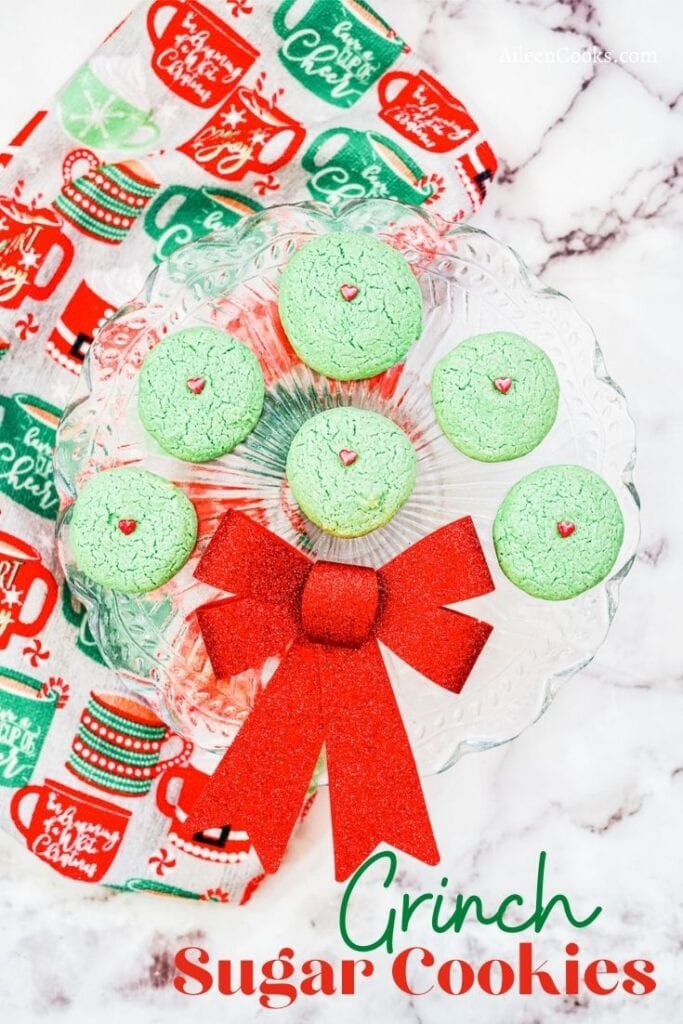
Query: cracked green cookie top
pixel 350 305
pixel 131 530
pixel 558 532
pixel 200 393
pixel 351 470
pixel 495 396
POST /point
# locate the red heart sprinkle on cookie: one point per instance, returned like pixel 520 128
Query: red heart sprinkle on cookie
pixel 347 456
pixel 503 384
pixel 349 292
pixel 127 526
pixel 196 384
pixel 565 528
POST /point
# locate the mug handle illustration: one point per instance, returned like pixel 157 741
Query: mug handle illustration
pixel 179 760
pixel 15 806
pixel 146 140
pixel 280 18
pixel 385 83
pixel 298 135
pixel 309 162
pixel 163 802
pixel 153 224
pixel 73 158
pixel 43 291
pixel 21 628
pixel 160 5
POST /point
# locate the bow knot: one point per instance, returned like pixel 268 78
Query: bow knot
pixel 331 688
pixel 339 604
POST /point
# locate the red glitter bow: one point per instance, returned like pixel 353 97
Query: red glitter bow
pixel 325 619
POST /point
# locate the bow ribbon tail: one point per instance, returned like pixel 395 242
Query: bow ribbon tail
pixel 262 779
pixel 375 791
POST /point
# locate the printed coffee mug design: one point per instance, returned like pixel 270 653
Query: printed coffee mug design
pixel 77 834
pixel 118 745
pixel 27 588
pixel 25 720
pixel 74 612
pixel 95 115
pixel 27 439
pixel 419 108
pixel 196 54
pixel 226 845
pixel 337 48
pixel 34 253
pixel 476 169
pixel 180 215
pixel 105 202
pixel 348 164
pixel 248 133
pixel 73 334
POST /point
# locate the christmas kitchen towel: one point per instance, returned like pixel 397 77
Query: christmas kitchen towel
pixel 188 117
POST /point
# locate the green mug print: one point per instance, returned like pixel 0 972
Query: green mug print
pixel 28 428
pixel 337 48
pixel 180 215
pixel 345 163
pixel 25 719
pixel 95 115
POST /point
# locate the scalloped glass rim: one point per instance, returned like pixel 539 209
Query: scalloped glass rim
pixel 464 271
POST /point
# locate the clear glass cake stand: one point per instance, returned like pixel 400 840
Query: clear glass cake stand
pixel 471 283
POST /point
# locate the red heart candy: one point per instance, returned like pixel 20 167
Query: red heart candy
pixel 127 526
pixel 503 384
pixel 349 292
pixel 196 384
pixel 565 528
pixel 347 456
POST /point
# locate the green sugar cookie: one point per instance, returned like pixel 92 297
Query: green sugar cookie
pixel 350 305
pixel 200 393
pixel 558 532
pixel 495 396
pixel 132 530
pixel 351 470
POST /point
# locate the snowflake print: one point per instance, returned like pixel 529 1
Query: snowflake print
pixel 233 117
pixel 29 259
pixel 98 118
pixel 12 597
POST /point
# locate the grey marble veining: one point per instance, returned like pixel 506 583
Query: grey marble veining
pixel 590 194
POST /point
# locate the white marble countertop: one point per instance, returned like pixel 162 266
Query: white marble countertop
pixel 589 195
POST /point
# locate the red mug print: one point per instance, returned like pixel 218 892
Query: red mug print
pixel 78 835
pixel 423 111
pixel 27 587
pixel 118 745
pixel 196 54
pixel 476 169
pixel 222 845
pixel 73 334
pixel 249 133
pixel 30 241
